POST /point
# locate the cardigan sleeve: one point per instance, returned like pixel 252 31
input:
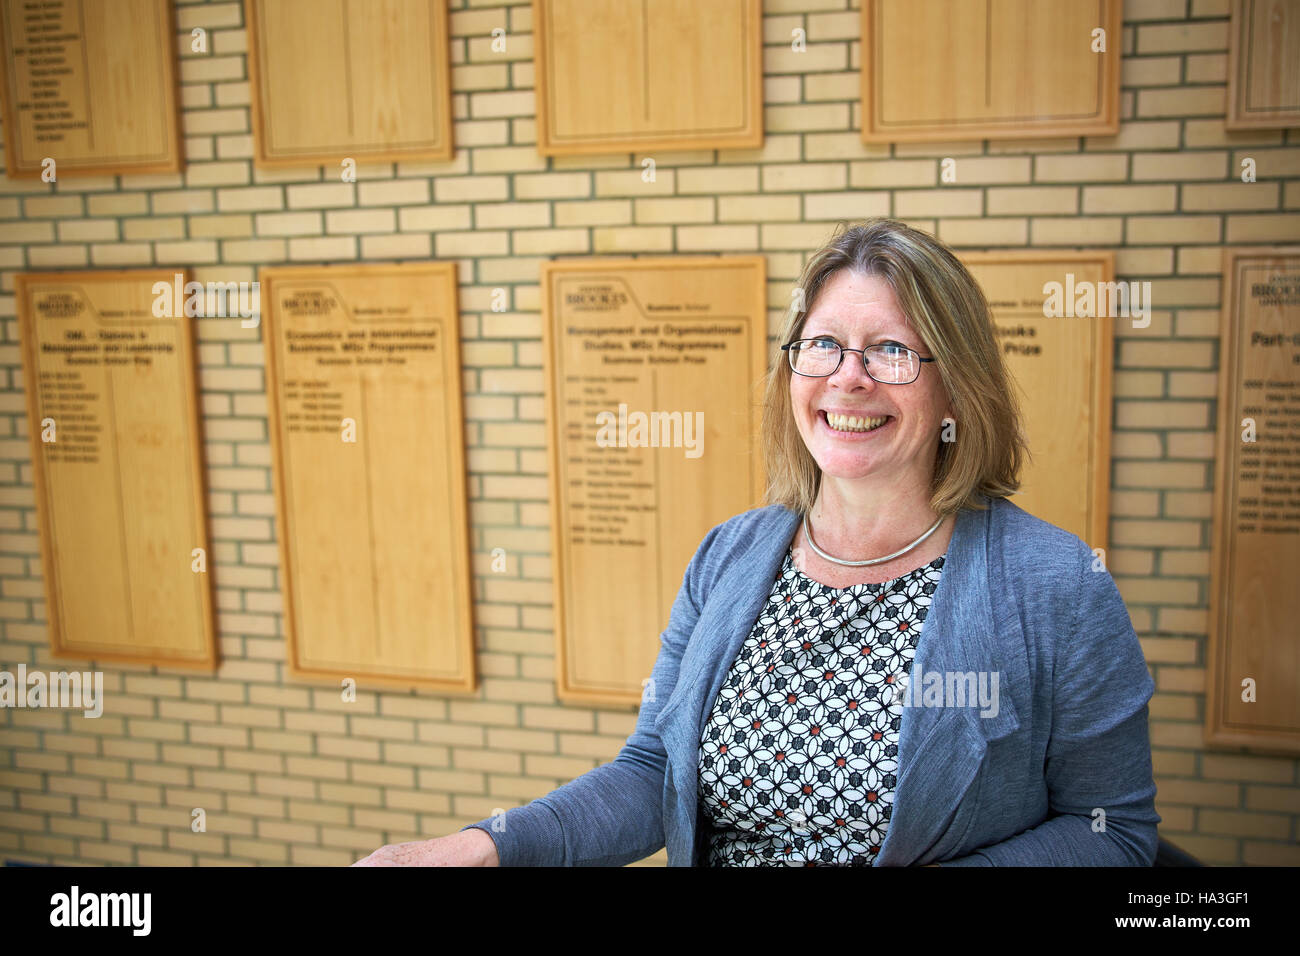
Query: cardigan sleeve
pixel 1101 792
pixel 611 815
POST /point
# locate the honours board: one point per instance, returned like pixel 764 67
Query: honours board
pixel 90 84
pixel 654 371
pixel 108 368
pixel 1264 64
pixel 363 379
pixel 1253 678
pixel 339 79
pixel 987 69
pixel 631 75
pixel 1061 365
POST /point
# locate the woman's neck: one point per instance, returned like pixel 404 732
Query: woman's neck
pixel 856 520
pixel 856 535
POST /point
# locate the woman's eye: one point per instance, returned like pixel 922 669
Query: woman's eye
pixel 825 344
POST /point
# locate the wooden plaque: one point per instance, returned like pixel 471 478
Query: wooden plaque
pixel 654 372
pixel 90 84
pixel 631 75
pixel 1264 65
pixel 988 69
pixel 360 79
pixel 1254 648
pixel 1062 368
pixel 108 369
pixel 363 379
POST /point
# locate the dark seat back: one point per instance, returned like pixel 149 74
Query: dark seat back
pixel 1169 855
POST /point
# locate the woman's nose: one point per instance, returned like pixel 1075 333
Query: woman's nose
pixel 852 372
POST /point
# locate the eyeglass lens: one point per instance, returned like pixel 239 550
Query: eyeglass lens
pixel 885 363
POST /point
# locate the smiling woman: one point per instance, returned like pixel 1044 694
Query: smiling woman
pixel 815 694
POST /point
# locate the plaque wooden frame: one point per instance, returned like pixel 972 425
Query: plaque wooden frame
pixel 23 158
pixel 568 686
pixel 726 133
pixel 439 145
pixel 1267 614
pixel 435 289
pixel 139 594
pixel 1096 522
pixel 1242 53
pixel 947 75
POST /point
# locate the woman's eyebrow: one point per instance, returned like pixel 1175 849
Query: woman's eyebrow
pixel 875 340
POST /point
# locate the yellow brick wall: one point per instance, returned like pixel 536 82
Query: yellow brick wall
pixel 286 772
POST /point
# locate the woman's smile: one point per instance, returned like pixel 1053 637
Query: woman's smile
pixel 850 426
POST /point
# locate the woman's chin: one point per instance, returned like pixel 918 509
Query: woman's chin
pixel 846 466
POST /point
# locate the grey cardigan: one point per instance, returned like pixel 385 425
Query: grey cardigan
pixel 1060 775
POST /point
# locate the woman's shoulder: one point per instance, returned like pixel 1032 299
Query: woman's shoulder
pixel 755 519
pixel 728 540
pixel 1030 538
pixel 742 529
pixel 1050 568
pixel 1067 602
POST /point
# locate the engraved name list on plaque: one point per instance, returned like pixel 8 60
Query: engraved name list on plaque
pixel 654 369
pixel 89 88
pixel 364 400
pixel 108 368
pixel 1253 673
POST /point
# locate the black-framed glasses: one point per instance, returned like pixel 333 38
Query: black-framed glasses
pixel 889 364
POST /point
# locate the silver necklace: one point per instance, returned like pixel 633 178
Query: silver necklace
pixel 807 532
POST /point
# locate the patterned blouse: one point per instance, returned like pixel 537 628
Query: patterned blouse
pixel 799 754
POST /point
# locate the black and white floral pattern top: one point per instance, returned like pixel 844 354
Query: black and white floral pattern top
pixel 799 755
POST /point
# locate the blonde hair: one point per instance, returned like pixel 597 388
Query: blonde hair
pixel 947 308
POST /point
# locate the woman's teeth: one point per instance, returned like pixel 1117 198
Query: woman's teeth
pixel 854 423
